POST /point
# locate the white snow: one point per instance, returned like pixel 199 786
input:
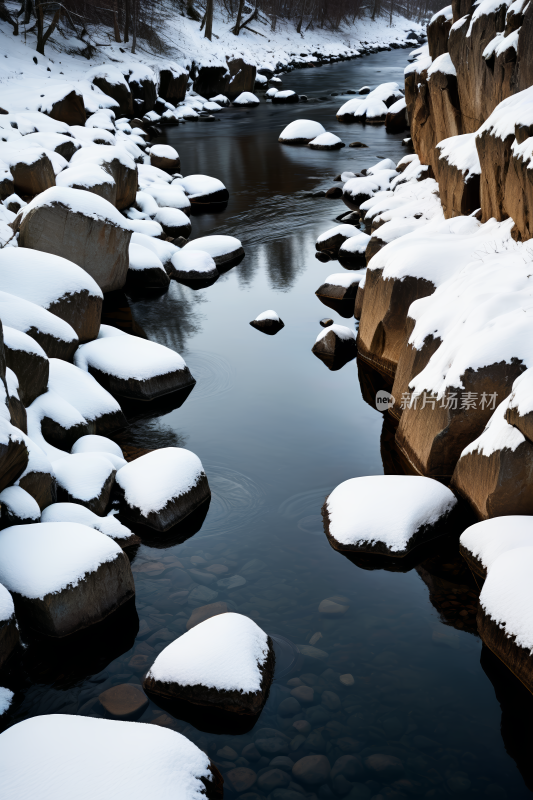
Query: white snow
pixel 73 512
pixel 7 607
pixel 78 201
pixel 163 250
pixel 223 652
pixel 488 539
pixel 83 475
pixel 20 503
pixel 153 480
pixel 339 330
pixel 386 508
pixel 217 245
pixel 285 93
pixel 164 151
pixel 398 106
pixel 355 244
pixel 267 315
pixel 141 258
pixel 344 279
pixel 106 331
pixel 168 196
pixel 515 109
pixel 199 185
pixel 193 261
pixel 220 99
pixel 372 105
pixel 507 595
pixel 85 176
pixel 340 230
pixel 23 315
pixel 461 152
pixel 133 760
pixel 498 435
pixel 172 218
pixel 446 13
pixel 146 203
pixel 128 357
pixel 6 698
pixel 148 227
pixel 81 390
pixel 521 397
pixel 210 106
pixel 45 557
pixel 246 99
pixel 17 340
pixel 92 443
pixel 305 129
pixel 443 64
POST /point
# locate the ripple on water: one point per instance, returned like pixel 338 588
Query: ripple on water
pixel 235 500
pixel 305 508
pixel 213 373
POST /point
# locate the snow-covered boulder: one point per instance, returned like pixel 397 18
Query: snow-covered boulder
pixel 519 411
pixel 112 83
pixel 163 156
pixel 226 251
pixel 9 635
pixel 193 265
pixel 63 576
pixel 30 169
pixel 301 131
pixel 221 99
pixel 161 488
pixel 173 82
pixel 268 322
pixel 494 472
pixel 374 108
pixel 37 477
pixel 340 286
pixel 54 335
pixel 352 252
pixel 59 143
pixel 140 760
pixel 57 284
pixel 484 542
pixel 168 196
pixel 331 240
pixel 90 179
pixel 356 191
pixel 246 100
pixel 174 222
pixel 18 507
pixel 202 189
pixel 145 270
pixel 163 250
pixel 108 525
pixel 225 662
pixel 335 346
pixel 118 163
pixel 242 76
pixel 87 479
pixel 63 102
pixel 326 141
pixel 387 514
pixel 143 86
pixel 134 368
pixel 285 96
pixel 396 119
pixel 28 361
pixel 504 619
pixel 17 411
pixel 82 227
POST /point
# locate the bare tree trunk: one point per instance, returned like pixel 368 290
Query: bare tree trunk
pixel 299 26
pixel 126 20
pixel 26 8
pixel 209 20
pixel 134 26
pixel 6 16
pixel 237 27
pixel 391 10
pixel 115 22
pixel 192 13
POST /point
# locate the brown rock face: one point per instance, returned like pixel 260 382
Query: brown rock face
pixel 396 122
pixel 525 50
pixel 96 596
pixel 432 439
pixel 410 364
pixel 69 109
pixel 31 370
pixel 518 199
pixel 9 639
pixel 383 332
pixel 172 86
pixel 516 658
pixel 459 193
pixel 419 112
pixel 248 703
pixel 445 110
pixel 242 78
pixel 82 311
pixel 358 306
pixel 438 33
pixel 166 164
pixel 336 292
pixel 210 81
pixel 96 245
pixel 40 485
pixel 499 484
pixel 494 157
pixel 35 177
pixel 13 460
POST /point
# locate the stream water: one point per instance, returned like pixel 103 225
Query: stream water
pixel 276 432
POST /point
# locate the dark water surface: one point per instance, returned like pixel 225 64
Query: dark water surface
pixel 276 432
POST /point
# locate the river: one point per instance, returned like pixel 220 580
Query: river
pixel 276 432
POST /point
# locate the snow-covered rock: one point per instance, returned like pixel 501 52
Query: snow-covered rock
pixel 146 270
pixel 387 514
pixel 112 82
pixel 161 488
pixel 163 156
pixel 352 252
pixel 31 170
pixel 332 239
pixel 108 525
pixel 193 265
pixel 63 576
pixel 174 222
pixel 520 407
pixel 285 96
pixel 37 477
pixel 301 131
pixel 268 322
pixel 221 99
pixel 9 635
pixel 57 284
pixel 89 178
pixel 335 346
pixel 134 368
pixel 340 286
pixel 94 443
pixel 79 226
pixel 115 160
pixel 168 196
pixel 374 107
pixel 326 141
pixel 357 190
pixel 87 479
pixel 18 507
pixel 484 542
pixel 140 760
pixel 226 251
pixel 246 99
pixel 28 361
pixel 225 662
pixel 163 250
pixel 202 189
pixel 54 335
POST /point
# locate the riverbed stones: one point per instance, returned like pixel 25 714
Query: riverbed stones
pixel 225 662
pixel 386 768
pixel 127 701
pixel 134 368
pixel 205 612
pixel 63 577
pixel 312 770
pixel 417 510
pixel 163 156
pixel 241 779
pixel 301 131
pixel 268 322
pixel 161 488
pixel 143 760
pixel 81 227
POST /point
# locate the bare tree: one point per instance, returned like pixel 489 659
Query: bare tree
pixel 208 19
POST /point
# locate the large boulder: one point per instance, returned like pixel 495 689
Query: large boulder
pixel 203 189
pixel 38 478
pixel 30 169
pixel 142 760
pixel 173 82
pixel 241 78
pixel 93 179
pixel 87 479
pixel 438 31
pixel 484 542
pixel 56 284
pixel 459 175
pixel 63 576
pixel 28 361
pixel 64 103
pixel 145 269
pixel 211 80
pixel 226 251
pixel 113 83
pixel 81 227
pixel 225 662
pixel 161 488
pixel 143 86
pixel 56 337
pixel 116 161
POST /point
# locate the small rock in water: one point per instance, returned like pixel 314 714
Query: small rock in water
pixel 305 695
pixel 334 193
pixel 241 779
pixel 326 141
pixel 312 770
pixel 320 193
pixel 364 90
pixel 326 322
pixel 335 344
pixel 268 322
pixel 357 144
pixel 205 612
pixel 302 726
pixel 231 583
pixel 303 98
pixel 323 257
pixel 316 637
pixel 332 608
pixel 386 768
pixel 126 701
pixel 347 679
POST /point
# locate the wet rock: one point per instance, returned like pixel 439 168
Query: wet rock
pixel 182 671
pixel 268 322
pixel 133 368
pixel 385 768
pixel 242 77
pixel 330 700
pixel 357 144
pixel 305 695
pixel 246 100
pixel 58 222
pixel 326 322
pixel 336 343
pixel 331 607
pixel 226 251
pixel 63 577
pixel 87 479
pixel 9 635
pixel 350 767
pixel 251 753
pixel 347 679
pixel 273 779
pixel 233 582
pixel 127 701
pixel 193 265
pixel 428 510
pixel 241 779
pixel 312 770
pixel 202 594
pixel 331 240
pixel 165 157
pixel 334 193
pixel 326 141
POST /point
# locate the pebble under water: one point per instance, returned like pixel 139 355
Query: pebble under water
pixel 422 710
